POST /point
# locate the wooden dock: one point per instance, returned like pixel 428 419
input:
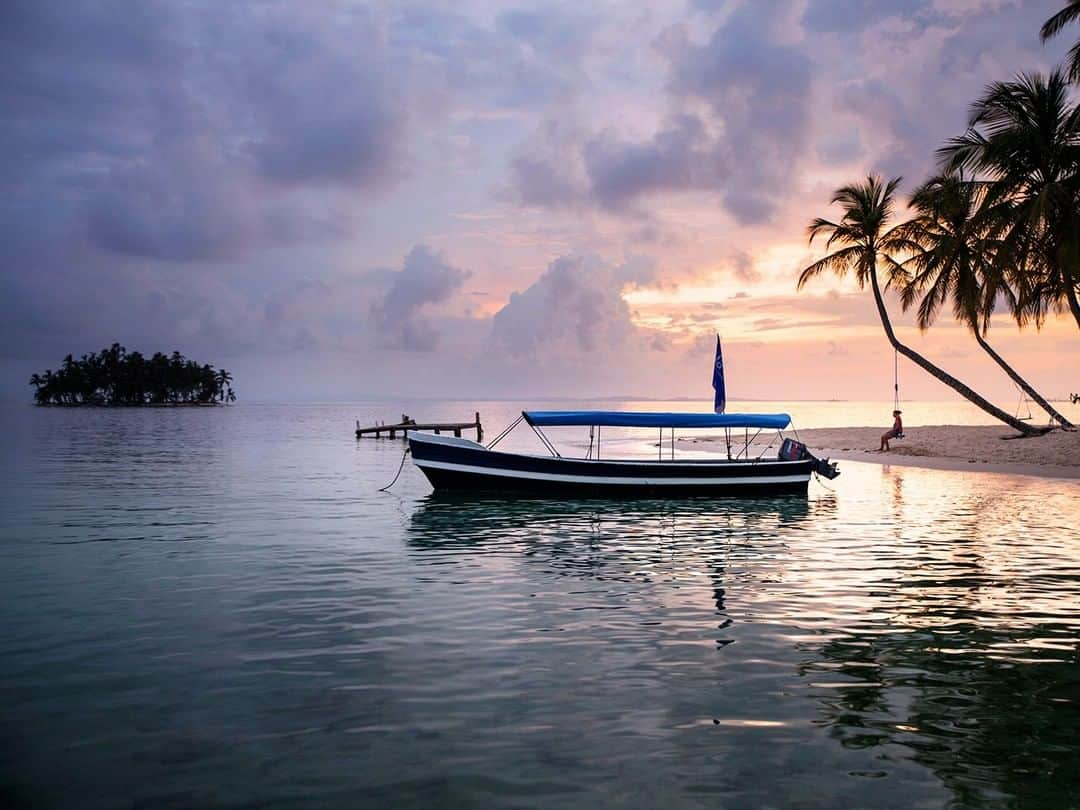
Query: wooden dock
pixel 405 426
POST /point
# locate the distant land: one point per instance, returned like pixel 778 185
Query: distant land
pixel 115 377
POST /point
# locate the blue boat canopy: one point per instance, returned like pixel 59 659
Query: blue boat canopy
pixel 777 421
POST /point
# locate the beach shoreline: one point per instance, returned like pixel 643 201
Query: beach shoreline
pixel 982 448
pixel 964 448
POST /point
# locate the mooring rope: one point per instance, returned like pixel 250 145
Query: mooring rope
pixel 821 483
pixel 399 469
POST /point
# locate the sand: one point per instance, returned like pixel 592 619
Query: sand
pixel 955 447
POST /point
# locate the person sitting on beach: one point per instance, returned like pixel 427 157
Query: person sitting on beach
pixel 896 432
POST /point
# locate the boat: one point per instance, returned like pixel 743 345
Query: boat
pixel 457 464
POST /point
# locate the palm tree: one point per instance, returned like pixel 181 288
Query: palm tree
pixel 1069 14
pixel 1024 136
pixel 864 245
pixel 223 379
pixel 954 227
pixel 114 377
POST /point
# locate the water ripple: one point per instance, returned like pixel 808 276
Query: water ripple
pixel 216 608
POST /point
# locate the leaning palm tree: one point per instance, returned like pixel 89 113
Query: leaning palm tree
pixel 954 228
pixel 1024 137
pixel 1069 14
pixel 863 245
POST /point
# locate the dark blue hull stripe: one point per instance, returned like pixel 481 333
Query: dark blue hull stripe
pixel 454 481
pixel 456 465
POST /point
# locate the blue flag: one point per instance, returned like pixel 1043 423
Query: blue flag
pixel 720 402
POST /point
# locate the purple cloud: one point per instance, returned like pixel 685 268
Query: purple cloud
pixel 575 305
pixel 743 146
pixel 425 278
pixel 679 157
pixel 847 16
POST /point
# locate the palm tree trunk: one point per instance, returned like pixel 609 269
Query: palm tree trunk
pixel 1016 378
pixel 938 374
pixel 1074 305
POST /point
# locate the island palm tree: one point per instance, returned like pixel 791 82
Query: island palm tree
pixel 114 377
pixel 864 243
pixel 1053 26
pixel 1024 137
pixel 954 229
pixel 222 380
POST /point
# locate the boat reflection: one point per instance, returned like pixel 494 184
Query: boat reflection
pixel 671 552
pixel 447 521
pixel 646 540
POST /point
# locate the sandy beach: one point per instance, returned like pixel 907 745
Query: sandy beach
pixel 955 447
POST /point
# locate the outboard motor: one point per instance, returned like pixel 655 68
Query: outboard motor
pixel 792 450
pixel 822 466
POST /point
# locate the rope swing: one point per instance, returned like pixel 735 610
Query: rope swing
pixel 896 388
pixel 1023 403
pixel 896 380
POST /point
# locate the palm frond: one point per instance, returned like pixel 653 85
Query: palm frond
pixel 819 226
pixel 1072 62
pixel 932 301
pixel 1053 26
pixel 839 263
pixel 962 152
pixel 896 275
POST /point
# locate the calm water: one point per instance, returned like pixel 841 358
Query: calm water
pixel 216 608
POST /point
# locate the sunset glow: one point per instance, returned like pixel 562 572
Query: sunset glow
pixel 386 191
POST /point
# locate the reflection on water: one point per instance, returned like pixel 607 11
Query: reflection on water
pixel 942 649
pixel 967 657
pixel 254 624
pixel 444 520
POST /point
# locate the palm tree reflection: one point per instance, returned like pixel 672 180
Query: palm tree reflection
pixel 991 707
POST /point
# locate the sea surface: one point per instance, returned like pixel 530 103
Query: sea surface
pixel 218 608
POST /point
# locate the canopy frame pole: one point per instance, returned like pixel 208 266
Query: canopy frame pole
pixel 727 441
pixel 673 444
pixel 660 447
pixel 750 440
pixel 506 432
pixel 544 439
pixel 597 442
pixel 779 435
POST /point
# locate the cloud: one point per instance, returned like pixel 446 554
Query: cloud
pixel 326 98
pixel 679 157
pixel 576 305
pixel 745 271
pixel 560 31
pixel 424 279
pixel 188 132
pixel 550 172
pixel 757 87
pixel 737 129
pixel 210 176
pixel 525 57
pixel 180 205
pixel 847 16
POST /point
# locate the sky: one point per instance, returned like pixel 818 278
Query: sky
pixel 341 200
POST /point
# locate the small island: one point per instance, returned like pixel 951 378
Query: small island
pixel 115 377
